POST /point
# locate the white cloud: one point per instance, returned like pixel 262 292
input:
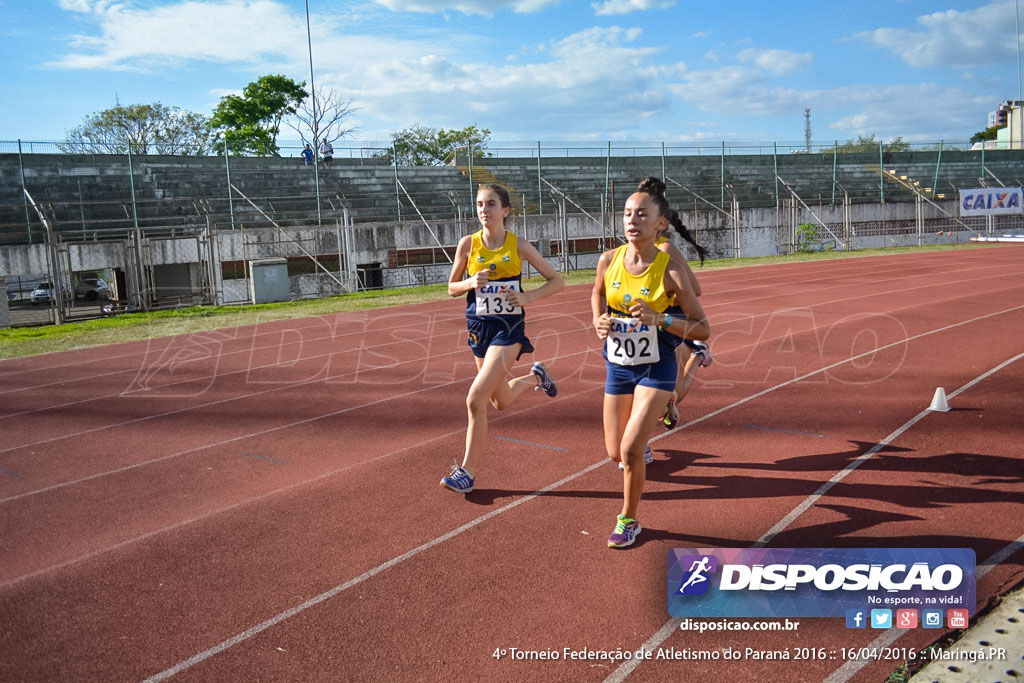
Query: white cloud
pixel 263 34
pixel 736 90
pixel 593 80
pixel 923 112
pixel 612 7
pixel 485 7
pixel 960 39
pixel 777 62
pixel 603 76
pixel 134 38
pixel 83 6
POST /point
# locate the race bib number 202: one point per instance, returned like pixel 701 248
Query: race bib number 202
pixel 630 342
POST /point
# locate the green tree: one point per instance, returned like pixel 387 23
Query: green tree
pixel 422 146
pixel 250 122
pixel 987 134
pixel 867 145
pixel 145 128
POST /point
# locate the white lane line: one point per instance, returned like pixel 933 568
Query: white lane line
pixel 142 393
pixel 223 334
pixel 627 667
pixel 851 667
pixel 319 379
pixel 327 320
pixel 717 276
pixel 244 436
pixel 531 443
pixel 327 595
pixel 284 489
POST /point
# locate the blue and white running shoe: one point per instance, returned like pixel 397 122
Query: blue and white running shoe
pixel 459 480
pixel 547 385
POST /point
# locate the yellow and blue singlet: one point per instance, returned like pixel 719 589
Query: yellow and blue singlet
pixel 503 263
pixel 622 288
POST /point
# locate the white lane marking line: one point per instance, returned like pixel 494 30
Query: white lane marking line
pixel 327 595
pixel 442 320
pixel 266 494
pixel 282 388
pixel 620 673
pixel 851 667
pixel 627 667
pixel 531 443
pixel 715 276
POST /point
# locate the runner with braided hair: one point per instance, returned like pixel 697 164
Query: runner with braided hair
pixel 633 289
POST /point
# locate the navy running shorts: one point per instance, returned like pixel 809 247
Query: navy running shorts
pixel 497 331
pixel 624 379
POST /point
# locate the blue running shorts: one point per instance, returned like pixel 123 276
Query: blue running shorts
pixel 624 379
pixel 496 331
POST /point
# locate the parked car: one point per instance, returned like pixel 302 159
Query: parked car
pixel 91 289
pixel 43 294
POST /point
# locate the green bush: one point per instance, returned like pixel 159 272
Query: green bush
pixel 806 235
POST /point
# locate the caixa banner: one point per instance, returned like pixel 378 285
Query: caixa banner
pixel 991 201
pixel 817 582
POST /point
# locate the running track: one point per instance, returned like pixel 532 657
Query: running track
pixel 261 503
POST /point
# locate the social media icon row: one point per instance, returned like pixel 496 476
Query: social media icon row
pixel 905 618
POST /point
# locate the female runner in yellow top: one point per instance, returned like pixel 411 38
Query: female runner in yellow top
pixel 488 271
pixel 634 287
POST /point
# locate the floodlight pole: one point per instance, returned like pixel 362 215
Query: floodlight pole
pixel 1020 98
pixel 316 132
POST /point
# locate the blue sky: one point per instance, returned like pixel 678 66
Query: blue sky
pixel 552 70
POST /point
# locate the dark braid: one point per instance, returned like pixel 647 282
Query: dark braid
pixel 655 188
pixel 677 223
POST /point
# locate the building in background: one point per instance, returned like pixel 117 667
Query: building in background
pixel 1009 115
pixel 1001 115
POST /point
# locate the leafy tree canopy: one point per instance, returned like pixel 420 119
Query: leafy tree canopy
pixel 422 146
pixel 144 128
pixel 987 134
pixel 250 122
pixel 866 145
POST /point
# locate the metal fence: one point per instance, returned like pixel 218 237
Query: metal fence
pixel 91 191
pixel 740 198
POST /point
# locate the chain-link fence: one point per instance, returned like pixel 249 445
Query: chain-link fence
pixel 171 230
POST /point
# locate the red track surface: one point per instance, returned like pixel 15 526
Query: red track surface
pixel 261 503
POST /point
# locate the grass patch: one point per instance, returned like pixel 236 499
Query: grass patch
pixel 26 341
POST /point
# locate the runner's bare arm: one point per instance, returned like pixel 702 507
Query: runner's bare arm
pixel 696 324
pixel 598 302
pixel 458 283
pixel 554 284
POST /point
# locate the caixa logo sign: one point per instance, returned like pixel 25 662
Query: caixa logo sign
pixel 990 201
pixel 809 582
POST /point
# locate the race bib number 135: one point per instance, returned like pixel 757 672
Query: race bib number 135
pixel 629 342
